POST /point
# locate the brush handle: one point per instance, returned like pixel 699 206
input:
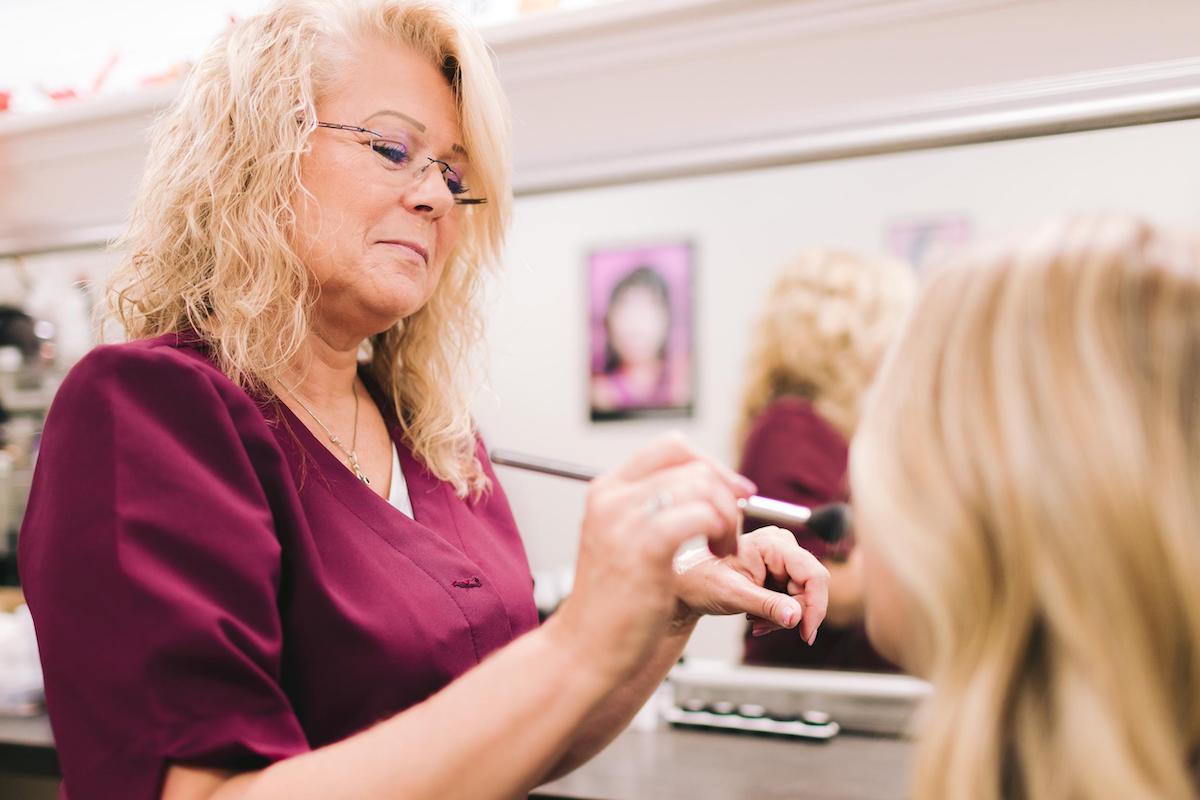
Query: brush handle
pixel 763 508
pixel 546 466
pixel 791 515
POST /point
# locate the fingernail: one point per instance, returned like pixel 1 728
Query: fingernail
pixel 789 617
pixel 747 485
pixel 759 630
pixel 812 638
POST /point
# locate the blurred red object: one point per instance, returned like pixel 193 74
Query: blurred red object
pixel 70 93
pixel 59 95
pixel 172 74
pixel 5 96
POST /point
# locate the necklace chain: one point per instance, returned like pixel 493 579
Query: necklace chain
pixel 352 453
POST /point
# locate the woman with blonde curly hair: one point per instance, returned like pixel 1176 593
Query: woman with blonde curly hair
pixel 828 318
pixel 262 567
pixel 1027 489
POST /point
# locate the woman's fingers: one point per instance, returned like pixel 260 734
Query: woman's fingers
pixel 798 570
pixel 692 482
pixel 680 486
pixel 815 599
pixel 676 524
pixel 672 450
pixel 768 608
pixel 762 628
pixel 665 451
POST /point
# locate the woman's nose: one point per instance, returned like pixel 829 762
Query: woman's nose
pixel 428 193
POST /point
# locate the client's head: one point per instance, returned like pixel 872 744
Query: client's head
pixel 1027 483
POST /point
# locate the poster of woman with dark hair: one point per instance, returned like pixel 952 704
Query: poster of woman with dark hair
pixel 641 317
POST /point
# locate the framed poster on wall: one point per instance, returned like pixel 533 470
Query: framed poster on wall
pixel 640 323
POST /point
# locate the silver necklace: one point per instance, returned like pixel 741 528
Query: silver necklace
pixel 352 453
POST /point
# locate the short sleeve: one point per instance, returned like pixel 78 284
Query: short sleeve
pixel 151 564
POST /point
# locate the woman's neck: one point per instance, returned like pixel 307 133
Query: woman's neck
pixel 324 372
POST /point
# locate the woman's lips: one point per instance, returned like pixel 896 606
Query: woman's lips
pixel 413 246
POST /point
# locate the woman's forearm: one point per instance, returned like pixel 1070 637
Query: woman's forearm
pixel 493 733
pixel 619 707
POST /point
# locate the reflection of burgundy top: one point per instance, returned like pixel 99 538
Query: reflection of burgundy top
pixel 793 454
pixel 211 586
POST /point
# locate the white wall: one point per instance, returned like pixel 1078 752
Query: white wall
pixel 744 225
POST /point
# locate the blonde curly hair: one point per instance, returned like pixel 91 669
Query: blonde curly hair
pixel 1032 452
pixel 207 248
pixel 826 322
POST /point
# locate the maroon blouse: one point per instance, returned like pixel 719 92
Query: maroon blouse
pixel 211 586
pixel 793 454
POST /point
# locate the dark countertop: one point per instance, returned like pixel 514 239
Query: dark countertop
pixel 27 747
pixel 676 764
pixel 648 765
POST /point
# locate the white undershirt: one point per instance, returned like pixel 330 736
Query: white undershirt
pixel 398 491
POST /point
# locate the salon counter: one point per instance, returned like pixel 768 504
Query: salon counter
pixel 648 765
pixel 26 747
pixel 672 764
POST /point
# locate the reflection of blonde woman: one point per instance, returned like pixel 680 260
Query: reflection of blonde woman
pixel 1027 482
pixel 821 336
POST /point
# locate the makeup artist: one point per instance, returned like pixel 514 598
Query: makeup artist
pixel 265 553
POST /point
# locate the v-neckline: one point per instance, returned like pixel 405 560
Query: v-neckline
pixel 429 496
pixel 335 471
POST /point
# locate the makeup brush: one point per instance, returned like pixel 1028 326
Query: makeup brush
pixel 830 523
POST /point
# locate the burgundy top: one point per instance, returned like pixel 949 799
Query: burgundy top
pixel 793 454
pixel 211 586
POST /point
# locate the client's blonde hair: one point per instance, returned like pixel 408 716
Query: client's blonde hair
pixel 1033 448
pixel 823 329
pixel 208 245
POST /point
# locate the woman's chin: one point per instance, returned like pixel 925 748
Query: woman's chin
pixel 368 317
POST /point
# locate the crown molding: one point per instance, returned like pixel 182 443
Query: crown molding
pixel 650 32
pixel 1090 100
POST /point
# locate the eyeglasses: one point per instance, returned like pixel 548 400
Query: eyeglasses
pixel 396 155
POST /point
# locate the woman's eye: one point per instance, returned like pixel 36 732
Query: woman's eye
pixel 455 183
pixel 394 152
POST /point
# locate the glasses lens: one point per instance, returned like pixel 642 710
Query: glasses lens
pixel 396 154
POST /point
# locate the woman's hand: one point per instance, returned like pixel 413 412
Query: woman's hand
pixel 637 517
pixel 737 584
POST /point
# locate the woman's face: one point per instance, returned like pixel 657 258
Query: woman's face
pixel 375 237
pixel 637 325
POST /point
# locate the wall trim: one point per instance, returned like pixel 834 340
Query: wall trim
pixel 591 41
pixel 1141 94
